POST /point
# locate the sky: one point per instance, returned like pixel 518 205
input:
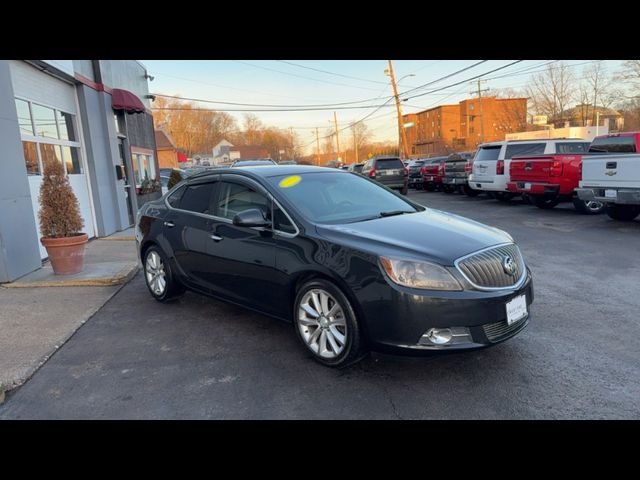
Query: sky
pixel 300 82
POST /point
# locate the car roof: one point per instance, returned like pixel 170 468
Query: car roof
pixel 265 171
pixel 532 140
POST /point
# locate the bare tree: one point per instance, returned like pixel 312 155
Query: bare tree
pixel 551 91
pixel 630 75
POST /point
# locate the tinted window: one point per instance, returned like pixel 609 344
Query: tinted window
pixel 174 198
pixel 281 221
pixel 488 153
pixel 235 198
pixel 336 198
pixel 197 198
pixel 573 147
pixel 519 149
pixel 614 144
pixel 388 163
pixel 358 168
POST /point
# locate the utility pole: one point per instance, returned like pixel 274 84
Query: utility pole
pixel 317 147
pixel 355 143
pixel 481 110
pixel 402 135
pixel 335 121
pixel 291 151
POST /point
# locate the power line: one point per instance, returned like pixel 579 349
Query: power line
pixel 444 77
pixel 265 109
pixel 307 78
pixel 332 73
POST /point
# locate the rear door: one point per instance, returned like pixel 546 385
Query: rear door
pixel 187 228
pixel 389 170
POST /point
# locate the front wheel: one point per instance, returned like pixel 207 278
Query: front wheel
pixel 623 213
pixel 588 207
pixel 326 324
pixel 545 203
pixel 446 188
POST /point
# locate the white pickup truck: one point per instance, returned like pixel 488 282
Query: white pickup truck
pixel 615 178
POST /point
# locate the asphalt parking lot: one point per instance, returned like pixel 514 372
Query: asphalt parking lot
pixel 200 358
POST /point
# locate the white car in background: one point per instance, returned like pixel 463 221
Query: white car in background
pixel 492 160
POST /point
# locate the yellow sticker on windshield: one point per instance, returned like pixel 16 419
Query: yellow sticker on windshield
pixel 290 181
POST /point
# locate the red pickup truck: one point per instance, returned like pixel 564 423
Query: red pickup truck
pixel 550 179
pixel 432 173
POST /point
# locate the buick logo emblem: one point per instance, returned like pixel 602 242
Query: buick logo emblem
pixel 508 265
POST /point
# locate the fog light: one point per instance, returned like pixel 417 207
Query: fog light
pixel 439 336
pixel 445 337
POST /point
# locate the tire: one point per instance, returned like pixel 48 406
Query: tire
pixel 419 186
pixel 157 270
pixel 448 188
pixel 470 192
pixel 545 203
pixel 335 353
pixel 588 208
pixel 429 187
pixel 503 196
pixel 404 190
pixel 622 213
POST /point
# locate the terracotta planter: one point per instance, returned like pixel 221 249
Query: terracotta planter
pixel 66 254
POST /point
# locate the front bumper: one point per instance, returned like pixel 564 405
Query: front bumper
pixel 599 194
pixel 397 322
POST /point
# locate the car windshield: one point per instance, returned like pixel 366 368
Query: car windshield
pixel 338 198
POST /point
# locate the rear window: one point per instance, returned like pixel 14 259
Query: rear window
pixel 388 163
pixel 488 153
pixel 572 147
pixel 520 149
pixel 614 144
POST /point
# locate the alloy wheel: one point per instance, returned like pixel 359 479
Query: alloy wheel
pixel 322 323
pixel 155 274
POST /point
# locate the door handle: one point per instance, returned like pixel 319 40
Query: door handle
pixel 215 238
pixel 169 224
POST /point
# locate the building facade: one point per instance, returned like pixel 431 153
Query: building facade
pixel 167 150
pixel 91 115
pixel 454 128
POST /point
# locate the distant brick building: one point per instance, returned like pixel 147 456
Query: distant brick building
pixel 453 128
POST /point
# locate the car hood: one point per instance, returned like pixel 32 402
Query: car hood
pixel 430 235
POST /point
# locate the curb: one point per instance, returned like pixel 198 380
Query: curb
pixel 122 276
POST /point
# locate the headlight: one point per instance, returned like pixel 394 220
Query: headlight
pixel 414 274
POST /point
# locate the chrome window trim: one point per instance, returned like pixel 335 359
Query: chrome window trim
pixel 515 286
pixel 226 220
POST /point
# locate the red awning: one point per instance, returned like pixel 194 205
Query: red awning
pixel 182 157
pixel 125 100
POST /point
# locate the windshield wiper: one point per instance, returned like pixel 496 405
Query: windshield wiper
pixel 393 213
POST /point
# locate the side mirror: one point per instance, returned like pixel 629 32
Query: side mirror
pixel 252 217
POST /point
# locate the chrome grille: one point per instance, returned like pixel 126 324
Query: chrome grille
pixel 484 269
pixel 499 330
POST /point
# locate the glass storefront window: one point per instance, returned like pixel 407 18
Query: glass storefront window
pixel 143 167
pixel 66 126
pixel 24 117
pixel 44 120
pixel 31 158
pixel 50 152
pixel 71 157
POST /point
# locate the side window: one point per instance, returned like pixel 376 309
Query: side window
pixel 197 198
pixel 515 150
pixel 174 198
pixel 572 147
pixel 235 198
pixel 281 221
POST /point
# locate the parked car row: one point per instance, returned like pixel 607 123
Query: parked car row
pixel 603 175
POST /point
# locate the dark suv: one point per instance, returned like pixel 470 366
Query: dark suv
pixel 389 171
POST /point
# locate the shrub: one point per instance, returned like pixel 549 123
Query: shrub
pixel 174 179
pixel 59 213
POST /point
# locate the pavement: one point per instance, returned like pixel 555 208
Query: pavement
pixel 199 358
pixel 36 321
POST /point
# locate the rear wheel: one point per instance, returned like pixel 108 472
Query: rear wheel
pixel 623 213
pixel 503 196
pixel 326 324
pixel 590 207
pixel 448 188
pixel 470 192
pixel 159 277
pixel 543 202
pixel 429 187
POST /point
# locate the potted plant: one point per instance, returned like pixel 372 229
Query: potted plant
pixel 60 221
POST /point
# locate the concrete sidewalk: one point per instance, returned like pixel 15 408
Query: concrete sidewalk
pixel 36 321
